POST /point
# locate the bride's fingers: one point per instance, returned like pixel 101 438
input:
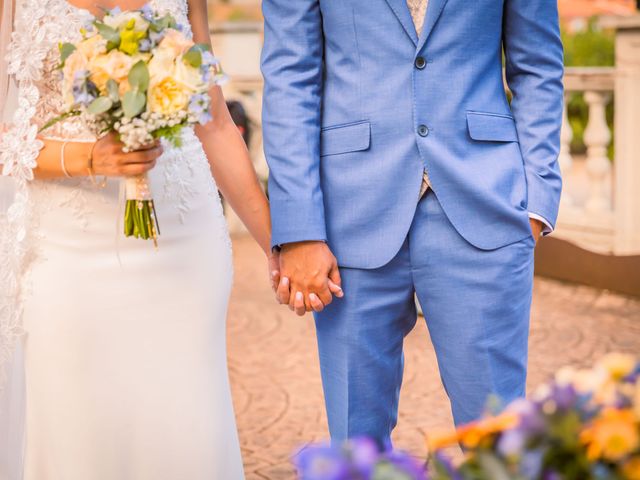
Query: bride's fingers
pixel 275 281
pixel 336 289
pixel 298 304
pixel 316 303
pixel 283 293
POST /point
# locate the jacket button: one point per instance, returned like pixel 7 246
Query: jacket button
pixel 420 63
pixel 423 130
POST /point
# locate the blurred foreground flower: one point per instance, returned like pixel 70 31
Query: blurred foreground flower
pixel 585 425
pixel 358 459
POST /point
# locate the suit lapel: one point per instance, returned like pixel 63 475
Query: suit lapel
pixel 434 9
pixel 401 10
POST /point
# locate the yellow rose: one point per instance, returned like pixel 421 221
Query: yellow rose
pixel 189 76
pixel 161 65
pixel 115 65
pixel 175 42
pixel 167 96
pixel 92 47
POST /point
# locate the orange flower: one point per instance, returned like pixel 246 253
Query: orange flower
pixel 631 469
pixel 473 434
pixel 612 435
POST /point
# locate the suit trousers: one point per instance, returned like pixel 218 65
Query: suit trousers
pixel 476 304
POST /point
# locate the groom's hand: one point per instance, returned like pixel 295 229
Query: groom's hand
pixel 536 228
pixel 310 268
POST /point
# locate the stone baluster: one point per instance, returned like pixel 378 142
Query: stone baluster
pixel 597 137
pixel 565 159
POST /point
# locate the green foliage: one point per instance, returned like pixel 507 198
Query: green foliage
pixel 133 103
pixel 66 49
pixel 100 105
pixel 592 47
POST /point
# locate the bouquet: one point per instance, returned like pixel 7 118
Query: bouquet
pixel 584 425
pixel 137 73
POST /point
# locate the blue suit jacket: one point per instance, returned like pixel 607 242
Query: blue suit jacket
pixel 352 116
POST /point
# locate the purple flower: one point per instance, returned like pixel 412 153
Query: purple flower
pixel 322 462
pixel 147 12
pixel 406 464
pixel 512 442
pixel 364 454
pixel 145 45
pixel 551 475
pixel 155 37
pixel 531 463
pixel 564 396
pixel 84 91
pixel 199 106
pixel 115 11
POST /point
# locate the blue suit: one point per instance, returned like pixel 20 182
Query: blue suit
pixel 356 107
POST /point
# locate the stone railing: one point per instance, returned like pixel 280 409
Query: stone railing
pixel 600 208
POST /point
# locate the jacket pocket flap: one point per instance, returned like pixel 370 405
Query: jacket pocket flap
pixel 491 127
pixel 352 137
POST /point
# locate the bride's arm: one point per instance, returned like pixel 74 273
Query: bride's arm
pixel 105 157
pixel 227 152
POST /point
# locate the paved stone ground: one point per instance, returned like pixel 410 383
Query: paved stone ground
pixel 276 380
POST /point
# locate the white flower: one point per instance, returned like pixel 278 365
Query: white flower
pixel 120 20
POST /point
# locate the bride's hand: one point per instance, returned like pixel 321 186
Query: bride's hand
pixel 109 159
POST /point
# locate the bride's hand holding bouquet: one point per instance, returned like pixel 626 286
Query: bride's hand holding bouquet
pixel 136 78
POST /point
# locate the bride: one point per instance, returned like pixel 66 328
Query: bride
pixel 121 370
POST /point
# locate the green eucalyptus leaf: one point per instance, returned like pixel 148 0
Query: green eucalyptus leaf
pixel 111 35
pixel 133 103
pixel 100 105
pixel 139 76
pixel 193 57
pixel 113 91
pixel 66 49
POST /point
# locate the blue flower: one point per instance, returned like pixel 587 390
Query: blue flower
pixel 406 464
pixel 155 37
pixel 322 462
pixel 364 454
pixel 145 45
pixel 199 105
pixel 115 11
pixel 84 91
pixel 147 12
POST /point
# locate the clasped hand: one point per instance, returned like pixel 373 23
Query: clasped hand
pixel 308 277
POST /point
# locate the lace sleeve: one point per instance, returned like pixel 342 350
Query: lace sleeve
pixel 33 37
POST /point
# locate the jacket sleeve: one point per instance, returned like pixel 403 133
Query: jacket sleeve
pixel 292 66
pixel 534 72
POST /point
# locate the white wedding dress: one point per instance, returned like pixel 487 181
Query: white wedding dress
pixel 124 352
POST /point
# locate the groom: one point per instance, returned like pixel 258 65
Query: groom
pixel 398 166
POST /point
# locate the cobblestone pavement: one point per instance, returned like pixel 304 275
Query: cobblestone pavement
pixel 276 380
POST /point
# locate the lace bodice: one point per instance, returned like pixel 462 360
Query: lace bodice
pixel 63 21
pixel 181 178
